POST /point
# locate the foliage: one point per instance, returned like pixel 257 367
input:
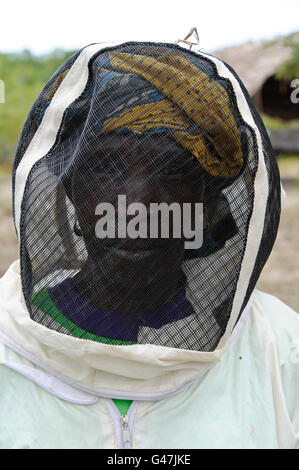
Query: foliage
pixel 290 68
pixel 24 75
pixel 276 124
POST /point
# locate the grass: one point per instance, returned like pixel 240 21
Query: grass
pixel 8 237
pixel 280 275
pixel 276 124
pixel 289 167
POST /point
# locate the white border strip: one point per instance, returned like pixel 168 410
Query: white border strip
pixel 68 389
pixel 52 385
pixel 70 89
pixel 261 190
pixel 102 392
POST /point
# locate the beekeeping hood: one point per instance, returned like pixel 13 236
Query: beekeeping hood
pixel 150 122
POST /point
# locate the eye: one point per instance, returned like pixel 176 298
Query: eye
pixel 105 165
pixel 172 171
pixel 179 168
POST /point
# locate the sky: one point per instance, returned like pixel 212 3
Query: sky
pixel 43 26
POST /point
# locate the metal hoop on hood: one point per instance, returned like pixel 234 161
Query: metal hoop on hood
pixel 190 43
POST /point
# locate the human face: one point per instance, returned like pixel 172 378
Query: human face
pixel 145 169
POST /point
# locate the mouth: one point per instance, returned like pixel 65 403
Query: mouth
pixel 134 253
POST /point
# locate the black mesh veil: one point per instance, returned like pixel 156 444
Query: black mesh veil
pixel 116 132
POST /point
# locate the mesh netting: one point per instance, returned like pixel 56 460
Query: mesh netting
pixel 155 124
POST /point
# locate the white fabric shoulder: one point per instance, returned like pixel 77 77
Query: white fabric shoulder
pixel 283 322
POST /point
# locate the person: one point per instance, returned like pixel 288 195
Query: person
pixel 147 200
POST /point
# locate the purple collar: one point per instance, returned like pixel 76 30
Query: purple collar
pixel 114 325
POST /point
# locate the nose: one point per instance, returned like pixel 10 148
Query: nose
pixel 139 187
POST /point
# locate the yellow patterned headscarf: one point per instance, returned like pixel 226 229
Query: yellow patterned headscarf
pixel 193 105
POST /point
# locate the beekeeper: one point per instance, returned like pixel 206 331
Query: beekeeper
pixel 147 200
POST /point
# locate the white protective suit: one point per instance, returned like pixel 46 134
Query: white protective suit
pixel 57 387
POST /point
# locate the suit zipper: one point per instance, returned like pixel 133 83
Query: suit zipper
pixel 125 432
pixel 122 423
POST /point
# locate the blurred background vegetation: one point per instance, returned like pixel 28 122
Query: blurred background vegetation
pixel 24 75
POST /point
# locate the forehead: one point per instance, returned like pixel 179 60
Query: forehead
pixel 140 141
pixel 128 148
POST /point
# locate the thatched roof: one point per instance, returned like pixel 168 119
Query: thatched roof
pixel 256 62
